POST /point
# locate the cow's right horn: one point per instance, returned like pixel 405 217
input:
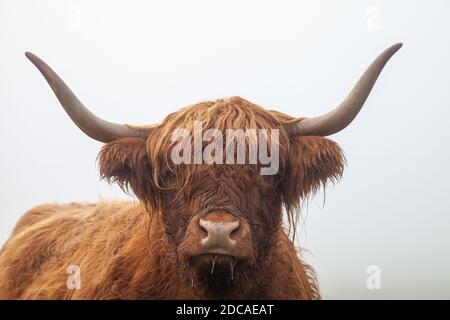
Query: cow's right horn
pixel 96 128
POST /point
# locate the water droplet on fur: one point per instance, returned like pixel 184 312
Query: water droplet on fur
pixel 232 264
pixel 213 263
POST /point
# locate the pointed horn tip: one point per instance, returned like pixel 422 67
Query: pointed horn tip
pixel 32 57
pixel 29 55
pixel 396 47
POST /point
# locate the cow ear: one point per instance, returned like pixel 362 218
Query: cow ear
pixel 312 162
pixel 125 162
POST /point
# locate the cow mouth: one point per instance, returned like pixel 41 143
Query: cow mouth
pixel 217 251
pixel 212 263
pixel 212 257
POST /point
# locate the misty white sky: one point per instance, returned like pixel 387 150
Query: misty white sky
pixel 136 61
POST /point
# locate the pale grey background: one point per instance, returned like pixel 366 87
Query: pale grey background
pixel 135 62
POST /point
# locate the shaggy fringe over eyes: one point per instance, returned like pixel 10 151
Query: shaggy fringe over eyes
pixel 222 114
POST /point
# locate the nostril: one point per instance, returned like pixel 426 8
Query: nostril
pixel 235 233
pixel 202 230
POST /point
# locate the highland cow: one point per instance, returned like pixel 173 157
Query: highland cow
pixel 198 231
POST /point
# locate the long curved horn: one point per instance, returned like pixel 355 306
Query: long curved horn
pixel 339 118
pixel 89 123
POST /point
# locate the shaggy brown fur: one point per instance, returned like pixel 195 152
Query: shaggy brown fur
pixel 142 250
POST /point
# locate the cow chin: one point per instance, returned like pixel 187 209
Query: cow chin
pixel 218 274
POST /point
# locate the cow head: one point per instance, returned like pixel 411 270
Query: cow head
pixel 221 218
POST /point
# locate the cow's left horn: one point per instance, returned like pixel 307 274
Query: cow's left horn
pixel 96 128
pixel 339 118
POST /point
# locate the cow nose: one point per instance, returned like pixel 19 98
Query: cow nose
pixel 218 236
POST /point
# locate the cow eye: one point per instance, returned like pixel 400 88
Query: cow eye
pixel 170 174
pixel 185 218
